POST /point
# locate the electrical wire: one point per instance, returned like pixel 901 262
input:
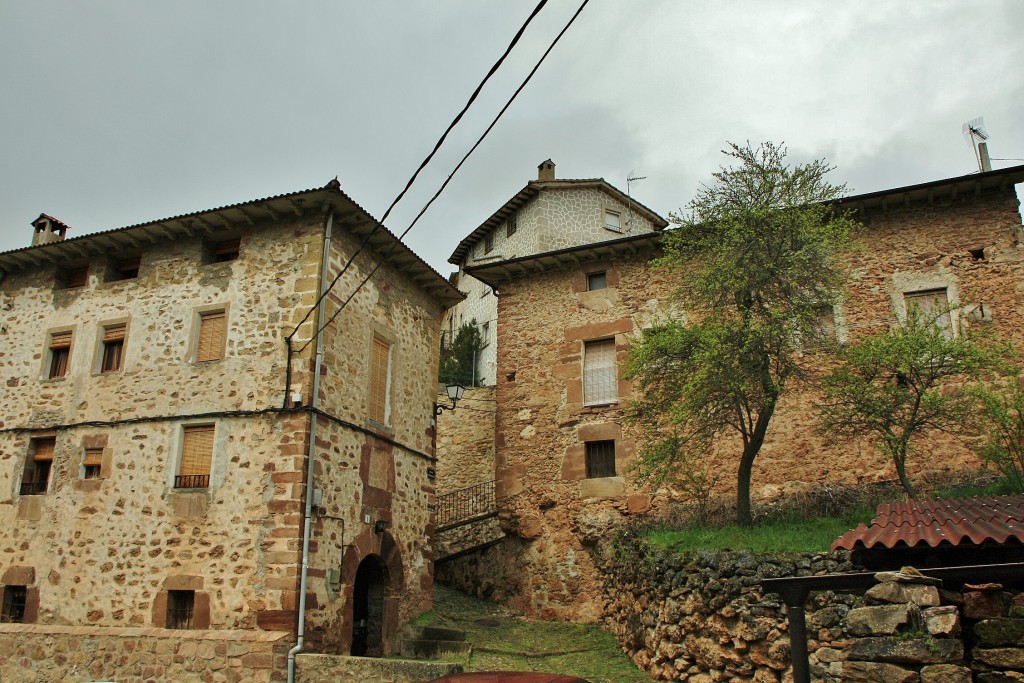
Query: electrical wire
pixel 444 185
pixel 423 164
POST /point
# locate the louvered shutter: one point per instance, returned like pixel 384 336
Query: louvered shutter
pixel 379 380
pixel 212 329
pixel 197 450
pixel 600 377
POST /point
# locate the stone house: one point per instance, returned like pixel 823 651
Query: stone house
pixel 176 435
pixel 565 458
pixel 546 215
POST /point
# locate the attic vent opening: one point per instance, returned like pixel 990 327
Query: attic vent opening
pixel 977 254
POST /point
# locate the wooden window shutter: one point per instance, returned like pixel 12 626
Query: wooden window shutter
pixel 600 376
pixel 212 330
pixel 114 333
pixel 60 340
pixel 93 457
pixel 43 449
pixel 379 379
pixel 197 450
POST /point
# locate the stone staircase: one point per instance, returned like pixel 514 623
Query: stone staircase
pixel 434 642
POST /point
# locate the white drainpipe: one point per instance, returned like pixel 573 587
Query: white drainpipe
pixel 311 453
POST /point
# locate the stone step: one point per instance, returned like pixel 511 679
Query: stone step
pixel 433 649
pixel 433 633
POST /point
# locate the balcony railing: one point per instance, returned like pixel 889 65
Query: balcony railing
pixel 191 481
pixel 33 488
pixel 463 506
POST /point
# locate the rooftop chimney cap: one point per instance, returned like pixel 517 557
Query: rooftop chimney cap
pixel 48 229
pixel 546 170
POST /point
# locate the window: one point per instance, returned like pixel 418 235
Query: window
pixel 113 348
pixel 212 332
pixel 196 454
pixel 123 269
pixel 92 463
pixel 14 605
pixel 600 376
pixel 180 608
pixel 485 335
pixel 600 459
pixel 489 242
pixel 932 306
pixel 596 281
pixel 60 354
pixel 512 225
pixel 69 278
pixel 380 380
pixel 612 220
pixel 222 251
pixel 36 478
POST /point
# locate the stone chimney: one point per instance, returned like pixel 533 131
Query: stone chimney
pixel 546 171
pixel 47 230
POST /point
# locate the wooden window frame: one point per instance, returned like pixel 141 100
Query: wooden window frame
pixel 123 268
pixel 593 372
pixel 489 242
pixel 208 348
pixel 92 463
pixel 618 216
pixel 943 322
pixel 35 477
pixel 58 353
pixel 222 250
pixel 512 225
pixel 113 339
pixel 600 459
pixel 72 278
pixel 198 442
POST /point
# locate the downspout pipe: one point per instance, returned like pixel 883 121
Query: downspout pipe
pixel 311 452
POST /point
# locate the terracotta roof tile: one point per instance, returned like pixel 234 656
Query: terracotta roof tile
pixel 956 522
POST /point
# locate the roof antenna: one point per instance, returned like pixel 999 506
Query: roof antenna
pixel 975 134
pixel 631 177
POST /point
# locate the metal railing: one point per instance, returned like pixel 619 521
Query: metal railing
pixel 466 505
pixel 191 481
pixel 33 488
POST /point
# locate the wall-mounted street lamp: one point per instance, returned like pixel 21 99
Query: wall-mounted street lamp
pixel 380 526
pixel 455 392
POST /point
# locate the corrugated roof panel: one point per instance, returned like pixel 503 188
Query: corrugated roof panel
pixel 954 521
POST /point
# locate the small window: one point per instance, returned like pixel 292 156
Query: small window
pixel 380 380
pixel 59 353
pixel 222 251
pixel 14 605
pixel 92 463
pixel 196 455
pixel 180 609
pixel 600 375
pixel 113 348
pixel 485 335
pixel 212 332
pixel 825 323
pixel 35 480
pixel 489 242
pixel 123 269
pixel 512 225
pixel 597 281
pixel 600 459
pixel 612 220
pixel 69 278
pixel 933 307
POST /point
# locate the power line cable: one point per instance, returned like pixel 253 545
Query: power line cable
pixel 423 164
pixel 480 140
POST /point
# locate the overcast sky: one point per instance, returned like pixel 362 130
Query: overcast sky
pixel 114 113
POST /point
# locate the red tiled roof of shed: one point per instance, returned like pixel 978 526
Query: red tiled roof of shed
pixel 951 521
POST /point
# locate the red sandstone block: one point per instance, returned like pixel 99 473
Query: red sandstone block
pixel 258 661
pixel 287 477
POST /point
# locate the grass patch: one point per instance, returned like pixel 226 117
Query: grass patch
pixel 505 641
pixel 780 535
pixel 996 487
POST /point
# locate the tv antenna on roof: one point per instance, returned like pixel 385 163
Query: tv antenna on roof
pixel 631 178
pixel 976 135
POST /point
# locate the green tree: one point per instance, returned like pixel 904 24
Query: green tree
pixel 755 260
pixel 1003 445
pixel 899 385
pixel 457 359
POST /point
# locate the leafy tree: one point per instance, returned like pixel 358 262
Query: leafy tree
pixel 755 259
pixel 457 360
pixel 898 385
pixel 1003 445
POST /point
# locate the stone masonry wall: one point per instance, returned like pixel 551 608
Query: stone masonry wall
pixel 969 245
pixel 41 654
pixel 465 441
